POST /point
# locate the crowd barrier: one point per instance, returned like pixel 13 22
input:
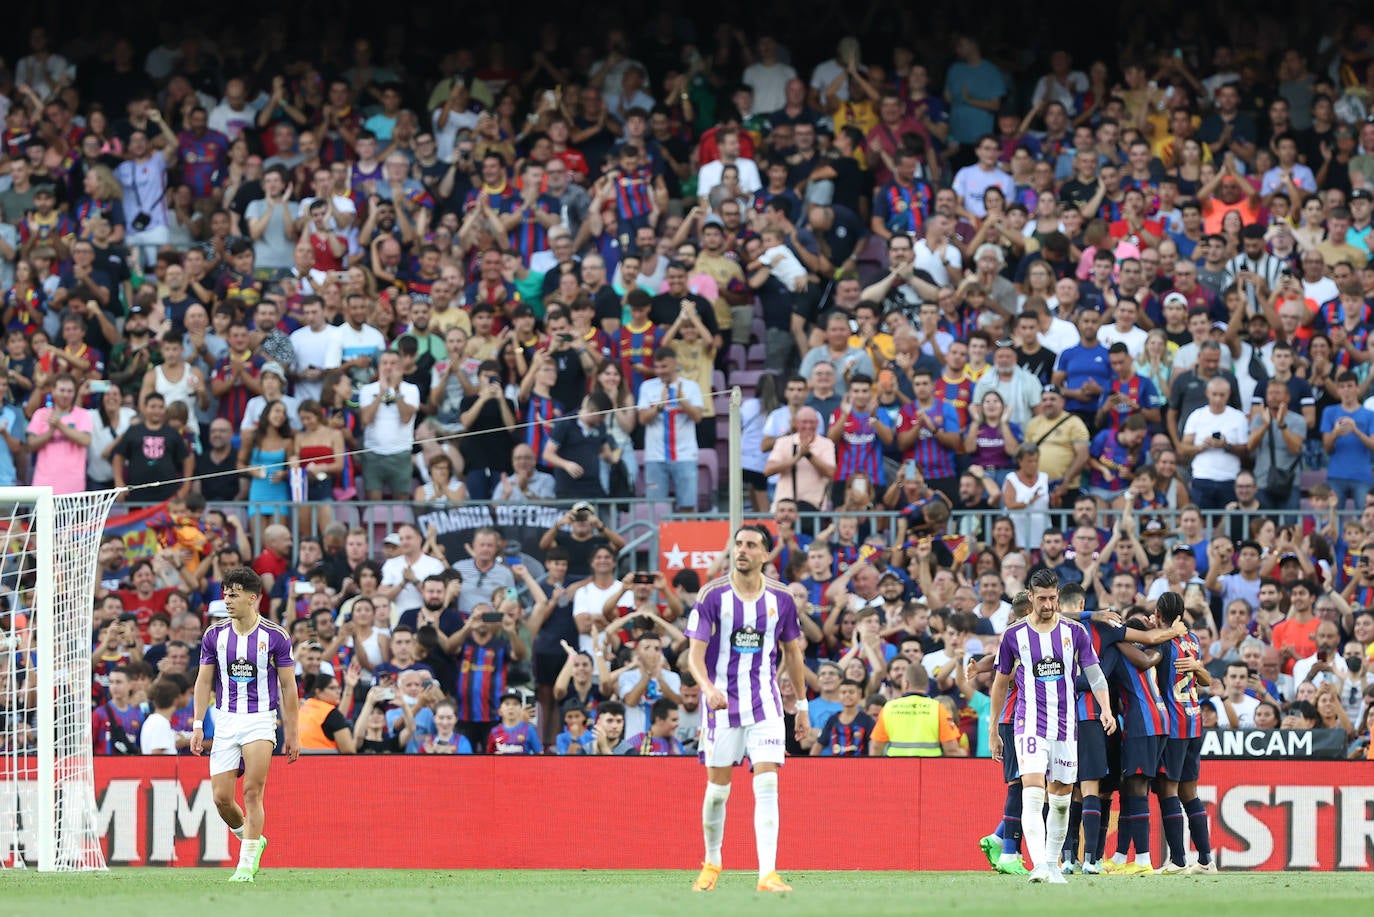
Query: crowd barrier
pixel 631 813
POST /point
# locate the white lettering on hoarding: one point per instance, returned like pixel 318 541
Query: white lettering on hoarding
pixel 173 817
pixel 1302 803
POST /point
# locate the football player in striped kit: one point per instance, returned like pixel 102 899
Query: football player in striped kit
pixel 742 629
pixel 1045 652
pixel 246 662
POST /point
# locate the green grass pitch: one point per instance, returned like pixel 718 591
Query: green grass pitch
pixel 569 893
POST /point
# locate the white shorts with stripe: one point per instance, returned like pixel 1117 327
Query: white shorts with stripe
pixel 723 745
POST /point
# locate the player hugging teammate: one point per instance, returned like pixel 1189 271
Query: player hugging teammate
pixel 1059 671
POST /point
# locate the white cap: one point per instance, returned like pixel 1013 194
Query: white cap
pixel 218 609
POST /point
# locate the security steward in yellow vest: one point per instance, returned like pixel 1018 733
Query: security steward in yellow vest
pixel 916 726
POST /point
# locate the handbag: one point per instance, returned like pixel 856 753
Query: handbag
pixel 1279 480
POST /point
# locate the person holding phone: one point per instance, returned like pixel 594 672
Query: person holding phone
pixel 484 648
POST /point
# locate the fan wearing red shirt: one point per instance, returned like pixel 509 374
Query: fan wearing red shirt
pixel 327 246
pixel 144 600
pixel 1133 227
pixel 273 563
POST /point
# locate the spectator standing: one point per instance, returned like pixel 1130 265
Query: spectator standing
pixel 1348 437
pixel 152 457
pixel 58 434
pixel 669 409
pixel 1215 438
pixel 387 411
pixel 487 417
pixel 318 348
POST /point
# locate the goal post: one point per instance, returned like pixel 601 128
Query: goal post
pixel 48 571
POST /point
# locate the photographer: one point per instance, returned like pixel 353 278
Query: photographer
pixel 636 596
pixel 487 417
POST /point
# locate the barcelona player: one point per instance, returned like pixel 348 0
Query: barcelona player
pixel 1180 673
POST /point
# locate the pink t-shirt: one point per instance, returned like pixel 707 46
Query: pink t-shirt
pixel 61 464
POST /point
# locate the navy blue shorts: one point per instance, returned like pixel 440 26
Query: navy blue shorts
pixel 1010 770
pixel 1182 760
pixel 1140 756
pixel 1092 750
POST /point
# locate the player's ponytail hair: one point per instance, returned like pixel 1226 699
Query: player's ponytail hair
pixel 1170 607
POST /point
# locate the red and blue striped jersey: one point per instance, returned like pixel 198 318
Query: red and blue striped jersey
pixel 539 413
pixel 958 326
pixel 503 199
pixel 130 719
pixel 520 739
pixel 1114 457
pixel 234 402
pixel 1333 313
pixel 1142 707
pixel 859 450
pixel 1363 597
pixel 530 235
pixel 845 556
pixel 202 158
pixel 934 460
pixel 1137 388
pixel 1359 340
pixel 636 348
pixel 634 194
pixel 1104 637
pixel 903 208
pixel 646 745
pixel 847 740
pixel 957 392
pixel 1147 188
pixel 481 679
pixel 1180 688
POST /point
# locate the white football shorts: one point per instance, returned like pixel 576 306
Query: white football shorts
pixel 235 730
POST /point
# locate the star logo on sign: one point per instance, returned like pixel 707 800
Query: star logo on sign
pixel 677 558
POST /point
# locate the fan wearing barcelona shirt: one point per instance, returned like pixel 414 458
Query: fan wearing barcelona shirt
pixel 513 735
pixel 859 435
pixel 1181 672
pixel 660 740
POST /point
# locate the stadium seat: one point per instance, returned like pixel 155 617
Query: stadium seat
pixel 718 383
pixel 739 357
pixel 723 427
pixel 382 519
pixel 758 357
pixel 722 403
pixel 1309 479
pixel 648 513
pixel 747 380
pixel 708 478
pixel 757 331
pixel 639 478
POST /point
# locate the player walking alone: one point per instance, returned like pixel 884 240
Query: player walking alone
pixel 741 627
pixel 1046 652
pixel 246 661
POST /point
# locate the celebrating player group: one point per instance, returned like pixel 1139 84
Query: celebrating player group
pixel 1058 669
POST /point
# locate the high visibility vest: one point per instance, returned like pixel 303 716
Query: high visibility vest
pixel 312 714
pixel 913 727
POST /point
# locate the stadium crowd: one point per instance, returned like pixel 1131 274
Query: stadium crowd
pixel 992 313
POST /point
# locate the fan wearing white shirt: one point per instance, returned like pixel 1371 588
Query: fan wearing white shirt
pixel 727 141
pixel 1214 439
pixel 1235 708
pixel 1124 330
pixel 318 348
pixel 157 736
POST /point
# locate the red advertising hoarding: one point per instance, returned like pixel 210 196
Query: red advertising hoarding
pixel 556 813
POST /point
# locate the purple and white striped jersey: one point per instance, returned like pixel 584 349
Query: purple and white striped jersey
pixel 1045 698
pixel 246 680
pixel 743 645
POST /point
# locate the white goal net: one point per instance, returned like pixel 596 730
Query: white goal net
pixel 48 566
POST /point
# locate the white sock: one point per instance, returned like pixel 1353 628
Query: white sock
pixel 237 832
pixel 1058 828
pixel 248 850
pixel 766 821
pixel 713 819
pixel 1143 859
pixel 1119 858
pixel 1033 823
